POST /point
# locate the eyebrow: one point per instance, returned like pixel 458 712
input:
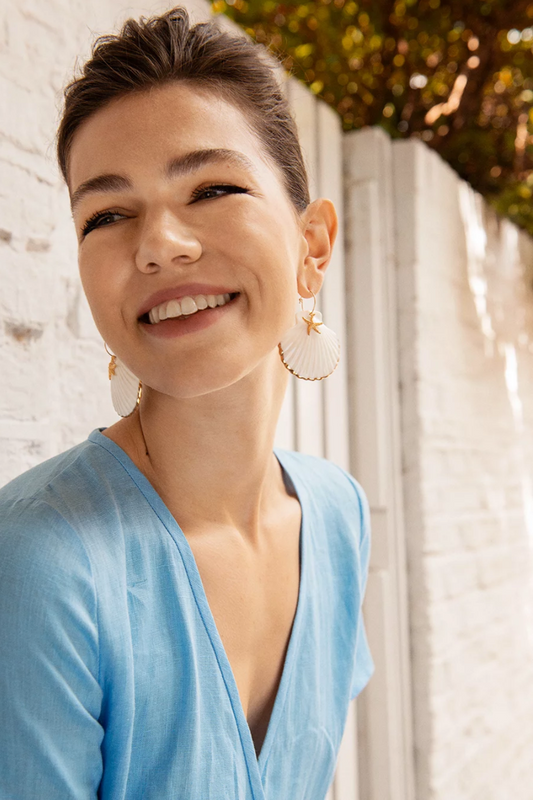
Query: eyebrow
pixel 176 167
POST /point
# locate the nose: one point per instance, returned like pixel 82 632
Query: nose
pixel 165 241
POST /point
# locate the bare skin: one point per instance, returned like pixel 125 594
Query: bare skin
pixel 204 431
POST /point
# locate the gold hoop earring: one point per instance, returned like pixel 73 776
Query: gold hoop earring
pixel 310 350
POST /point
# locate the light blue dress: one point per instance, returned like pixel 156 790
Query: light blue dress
pixel 114 682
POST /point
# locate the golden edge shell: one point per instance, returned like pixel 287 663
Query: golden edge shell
pixel 301 376
pixel 292 349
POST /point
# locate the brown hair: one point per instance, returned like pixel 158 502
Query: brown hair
pixel 157 51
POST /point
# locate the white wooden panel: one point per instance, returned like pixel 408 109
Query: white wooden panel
pixel 335 388
pixel 367 367
pixel 385 743
pixel 346 782
pixel 308 394
pixel 378 774
pixel 333 294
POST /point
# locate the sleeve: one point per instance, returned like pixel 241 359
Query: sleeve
pixel 50 697
pixel 364 666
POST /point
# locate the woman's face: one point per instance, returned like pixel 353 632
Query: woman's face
pixel 153 226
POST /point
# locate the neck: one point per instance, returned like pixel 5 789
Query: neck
pixel 210 457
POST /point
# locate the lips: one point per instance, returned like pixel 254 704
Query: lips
pixel 176 327
pixel 182 290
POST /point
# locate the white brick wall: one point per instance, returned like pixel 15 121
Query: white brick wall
pixel 55 387
pixel 466 337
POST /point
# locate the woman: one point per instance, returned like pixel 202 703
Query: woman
pixel 180 602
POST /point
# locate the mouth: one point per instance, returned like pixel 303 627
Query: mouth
pixel 184 309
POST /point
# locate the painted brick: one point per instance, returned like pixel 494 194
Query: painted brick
pixel 466 371
pixel 54 366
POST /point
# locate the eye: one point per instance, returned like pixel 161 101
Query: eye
pixel 99 220
pixel 227 188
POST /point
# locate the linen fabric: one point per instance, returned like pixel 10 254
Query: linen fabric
pixel 114 682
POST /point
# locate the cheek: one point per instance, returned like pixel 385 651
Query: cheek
pixel 267 249
pixel 101 281
pixel 283 288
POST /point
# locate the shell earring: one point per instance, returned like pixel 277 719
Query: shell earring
pixel 126 389
pixel 309 349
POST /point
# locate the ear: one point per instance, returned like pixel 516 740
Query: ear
pixel 320 226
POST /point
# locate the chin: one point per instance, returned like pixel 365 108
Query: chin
pixel 199 380
pixel 187 384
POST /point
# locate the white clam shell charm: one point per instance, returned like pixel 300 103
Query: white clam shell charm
pixel 309 349
pixel 125 387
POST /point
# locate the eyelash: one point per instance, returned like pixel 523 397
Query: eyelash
pixel 91 223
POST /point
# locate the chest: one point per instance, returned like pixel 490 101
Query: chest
pixel 253 598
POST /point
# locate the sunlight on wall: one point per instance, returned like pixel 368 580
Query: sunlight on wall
pixel 511 381
pixel 493 286
pixel 476 242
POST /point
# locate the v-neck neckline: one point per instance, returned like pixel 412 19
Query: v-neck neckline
pixel 255 764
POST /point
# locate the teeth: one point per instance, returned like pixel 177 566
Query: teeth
pixel 173 308
pixel 186 306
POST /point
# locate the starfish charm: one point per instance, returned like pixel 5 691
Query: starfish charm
pixel 112 366
pixel 311 324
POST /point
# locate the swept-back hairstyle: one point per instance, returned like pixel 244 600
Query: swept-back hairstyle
pixel 163 49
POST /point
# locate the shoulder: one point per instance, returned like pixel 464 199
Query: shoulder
pixel 330 486
pixel 39 509
pixel 39 482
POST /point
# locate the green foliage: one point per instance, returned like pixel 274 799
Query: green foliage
pixel 459 75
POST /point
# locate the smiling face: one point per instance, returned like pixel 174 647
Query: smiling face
pixel 151 226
